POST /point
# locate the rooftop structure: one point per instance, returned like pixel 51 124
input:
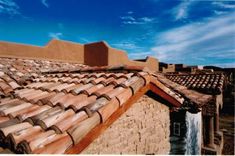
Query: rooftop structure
pixel 51 106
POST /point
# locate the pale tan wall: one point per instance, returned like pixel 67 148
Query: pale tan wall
pixel 55 50
pixel 151 63
pixel 116 57
pixel 65 50
pixel 170 68
pixel 219 100
pixel 143 129
pixel 93 54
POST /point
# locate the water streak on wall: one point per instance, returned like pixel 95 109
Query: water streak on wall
pixel 193 134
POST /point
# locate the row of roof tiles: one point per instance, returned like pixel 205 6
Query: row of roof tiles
pixel 53 111
pixel 14 72
pixel 205 83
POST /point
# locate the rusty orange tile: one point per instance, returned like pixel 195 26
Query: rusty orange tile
pixel 17 137
pixel 71 100
pixel 72 87
pixel 78 105
pixel 114 92
pixel 23 111
pixel 33 112
pixel 67 123
pixel 54 99
pixel 57 146
pixel 83 87
pixel 92 89
pixel 124 96
pixel 107 110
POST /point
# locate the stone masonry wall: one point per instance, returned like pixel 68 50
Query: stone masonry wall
pixel 143 129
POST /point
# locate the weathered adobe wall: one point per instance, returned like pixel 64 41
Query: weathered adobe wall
pixel 143 129
pixel 151 63
pixel 92 54
pixel 54 50
pixel 116 57
pixel 170 68
pixel 100 53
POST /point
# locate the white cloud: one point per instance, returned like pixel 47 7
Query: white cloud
pixel 57 35
pixel 146 19
pixel 137 21
pixel 212 39
pixel 219 12
pixel 130 12
pixel 45 3
pixel 224 5
pixel 126 45
pixel 225 65
pixel 84 40
pixel 129 18
pixel 181 11
pixel 9 7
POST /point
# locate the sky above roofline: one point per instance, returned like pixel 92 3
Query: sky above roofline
pixel 193 32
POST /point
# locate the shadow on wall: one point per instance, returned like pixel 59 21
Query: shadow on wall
pixel 92 54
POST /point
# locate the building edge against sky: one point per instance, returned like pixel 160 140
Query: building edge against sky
pixel 92 54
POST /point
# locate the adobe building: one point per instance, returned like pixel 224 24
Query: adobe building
pixel 178 68
pixel 166 68
pixel 184 68
pixel 92 54
pixel 51 104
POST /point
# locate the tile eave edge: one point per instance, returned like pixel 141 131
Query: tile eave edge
pixel 99 129
pixel 157 90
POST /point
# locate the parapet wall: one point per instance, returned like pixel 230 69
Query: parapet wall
pixel 54 50
pixel 143 129
pixel 100 53
pixel 92 54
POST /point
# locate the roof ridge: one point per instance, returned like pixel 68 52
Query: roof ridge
pixel 103 68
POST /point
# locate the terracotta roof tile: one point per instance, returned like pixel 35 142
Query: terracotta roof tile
pixel 55 108
pixel 107 109
pixel 15 138
pixel 9 123
pixel 55 118
pixel 103 90
pixel 78 105
pixel 60 144
pixel 3 119
pixel 204 83
pixel 65 124
pixel 33 112
pixel 78 131
pixel 187 94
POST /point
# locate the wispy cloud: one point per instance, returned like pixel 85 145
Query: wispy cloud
pixel 219 12
pixel 181 11
pixel 225 65
pixel 130 12
pixel 202 41
pixel 84 40
pixel 224 4
pixel 139 55
pixel 56 35
pixel 9 7
pixel 126 45
pixel 137 21
pixel 45 3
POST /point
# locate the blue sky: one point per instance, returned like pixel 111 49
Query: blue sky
pixel 193 32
